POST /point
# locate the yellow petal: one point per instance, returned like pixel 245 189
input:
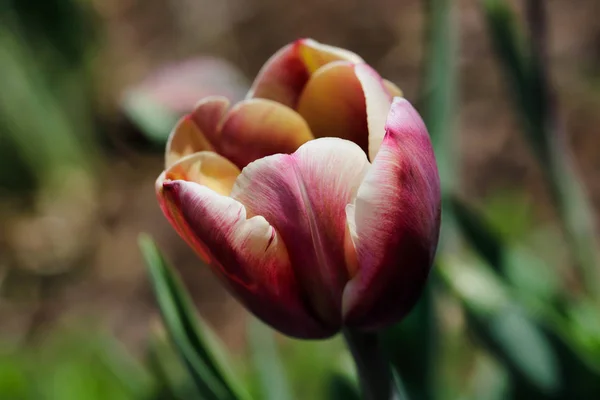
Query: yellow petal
pixel 196 131
pixel 393 90
pixel 333 104
pixel 315 54
pixel 284 75
pixel 257 128
pixel 206 168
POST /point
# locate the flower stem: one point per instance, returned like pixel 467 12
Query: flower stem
pixel 374 373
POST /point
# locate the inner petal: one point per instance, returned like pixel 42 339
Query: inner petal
pixel 333 104
pixel 284 75
pixel 206 168
pixel 196 131
pixel 257 128
pixel 350 101
pixel 304 196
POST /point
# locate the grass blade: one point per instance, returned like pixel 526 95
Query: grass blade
pixel 191 337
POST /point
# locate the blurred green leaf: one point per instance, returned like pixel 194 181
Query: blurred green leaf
pixel 525 65
pixel 14 382
pixel 521 345
pixel 154 120
pixel 489 380
pixel 172 380
pixel 440 88
pixel 535 281
pixel 503 327
pixel 63 27
pixel 439 94
pixel 412 344
pixel 411 347
pixel 72 366
pixel 342 388
pixel 478 233
pixel 510 213
pixel 579 358
pixel 31 116
pixel 268 367
pixel 309 364
pixel 192 338
pixel 16 175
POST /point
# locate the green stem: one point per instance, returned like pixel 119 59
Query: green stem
pixel 374 373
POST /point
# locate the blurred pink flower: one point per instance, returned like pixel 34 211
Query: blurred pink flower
pixel 316 199
pixel 178 86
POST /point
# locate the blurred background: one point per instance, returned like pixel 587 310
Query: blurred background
pixel 91 89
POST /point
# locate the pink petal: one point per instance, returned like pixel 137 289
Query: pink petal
pixel 246 252
pixel 257 128
pixel 303 196
pixel 284 75
pixel 394 224
pixel 177 86
pixel 196 131
pixel 205 168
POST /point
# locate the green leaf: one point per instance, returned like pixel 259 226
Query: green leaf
pixel 35 115
pixel 309 363
pixel 577 345
pixel 268 367
pixel 411 347
pixel 14 381
pixel 154 120
pixel 340 387
pixel 478 233
pixel 73 365
pixel 439 98
pixel 503 327
pixel 440 87
pixel 191 337
pixel 525 67
pixel 172 379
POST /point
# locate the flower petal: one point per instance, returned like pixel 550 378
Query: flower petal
pixel 394 224
pixel 378 101
pixel 246 253
pixel 333 104
pixel 303 196
pixel 284 75
pixel 205 168
pixel 392 89
pixel 257 128
pixel 349 101
pixel 196 131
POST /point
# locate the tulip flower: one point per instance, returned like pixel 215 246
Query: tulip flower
pixel 316 199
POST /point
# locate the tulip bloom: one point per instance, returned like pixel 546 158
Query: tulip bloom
pixel 316 200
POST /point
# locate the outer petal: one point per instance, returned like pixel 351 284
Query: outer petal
pixel 394 224
pixel 257 128
pixel 304 196
pixel 247 253
pixel 205 168
pixel 196 131
pixel 284 75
